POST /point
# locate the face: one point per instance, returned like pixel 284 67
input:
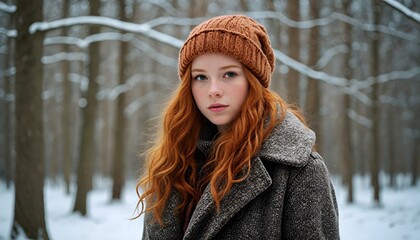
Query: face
pixel 219 87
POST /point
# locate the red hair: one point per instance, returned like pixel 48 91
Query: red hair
pixel 171 161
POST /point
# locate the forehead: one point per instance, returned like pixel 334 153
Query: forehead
pixel 214 60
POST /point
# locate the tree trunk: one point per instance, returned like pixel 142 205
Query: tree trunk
pixel 9 110
pixel 293 35
pixel 391 146
pixel 8 133
pixel 375 101
pixel 276 83
pixel 120 121
pixel 312 105
pixel 347 152
pixel 415 150
pixel 87 143
pixel 66 115
pixel 415 162
pixel 29 213
pixel 54 132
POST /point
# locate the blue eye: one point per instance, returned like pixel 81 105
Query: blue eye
pixel 230 75
pixel 200 77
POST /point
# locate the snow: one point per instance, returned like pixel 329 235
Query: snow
pixel 334 16
pixel 7 8
pixel 145 28
pixel 397 5
pixel 105 220
pixel 397 218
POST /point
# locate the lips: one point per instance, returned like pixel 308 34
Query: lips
pixel 217 107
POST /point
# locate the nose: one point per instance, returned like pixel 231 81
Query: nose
pixel 215 89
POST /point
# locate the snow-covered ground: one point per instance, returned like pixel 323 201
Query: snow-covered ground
pixel 397 218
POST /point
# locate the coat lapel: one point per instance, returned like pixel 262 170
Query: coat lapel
pixel 205 222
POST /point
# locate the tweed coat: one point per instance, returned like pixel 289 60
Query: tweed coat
pixel 288 195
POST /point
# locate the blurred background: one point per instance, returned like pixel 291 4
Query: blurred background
pixel 83 82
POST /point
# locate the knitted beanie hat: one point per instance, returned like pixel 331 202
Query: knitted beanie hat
pixel 238 36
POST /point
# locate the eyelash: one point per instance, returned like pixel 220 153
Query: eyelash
pixel 199 76
pixel 232 74
pixel 202 77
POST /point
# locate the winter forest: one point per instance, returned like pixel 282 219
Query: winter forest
pixel 82 84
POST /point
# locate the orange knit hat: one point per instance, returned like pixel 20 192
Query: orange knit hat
pixel 235 35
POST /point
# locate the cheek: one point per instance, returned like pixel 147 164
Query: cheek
pixel 242 92
pixel 196 93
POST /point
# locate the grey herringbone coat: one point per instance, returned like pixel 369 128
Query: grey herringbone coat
pixel 288 195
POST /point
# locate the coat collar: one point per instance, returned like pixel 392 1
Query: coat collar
pixel 205 222
pixel 290 143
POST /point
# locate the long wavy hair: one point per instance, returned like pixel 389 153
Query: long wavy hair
pixel 171 161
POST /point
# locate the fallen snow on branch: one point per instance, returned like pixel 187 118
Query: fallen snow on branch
pixel 7 8
pixel 115 36
pixel 130 84
pixel 8 72
pixel 84 43
pixel 63 56
pixel 305 70
pixel 144 28
pixel 8 33
pixel 397 5
pixel 138 103
pixel 329 54
pixel 383 78
pixel 331 18
pixel 362 120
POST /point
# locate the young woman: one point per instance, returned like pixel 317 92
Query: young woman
pixel 233 160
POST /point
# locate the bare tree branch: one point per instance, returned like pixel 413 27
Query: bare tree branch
pixel 62 56
pixel 146 29
pixel 114 92
pixel 8 33
pixel 403 9
pixel 331 18
pixel 143 28
pixel 138 103
pixel 115 36
pixel 360 119
pixel 7 8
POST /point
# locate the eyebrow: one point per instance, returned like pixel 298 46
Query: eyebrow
pixel 222 68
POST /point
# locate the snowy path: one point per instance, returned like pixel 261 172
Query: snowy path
pixel 399 218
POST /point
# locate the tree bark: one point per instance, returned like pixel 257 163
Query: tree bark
pixel 391 146
pixel 29 213
pixel 120 120
pixel 347 152
pixel 415 150
pixel 87 143
pixel 9 109
pixel 312 105
pixel 275 32
pixel 375 101
pixel 66 118
pixel 294 45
